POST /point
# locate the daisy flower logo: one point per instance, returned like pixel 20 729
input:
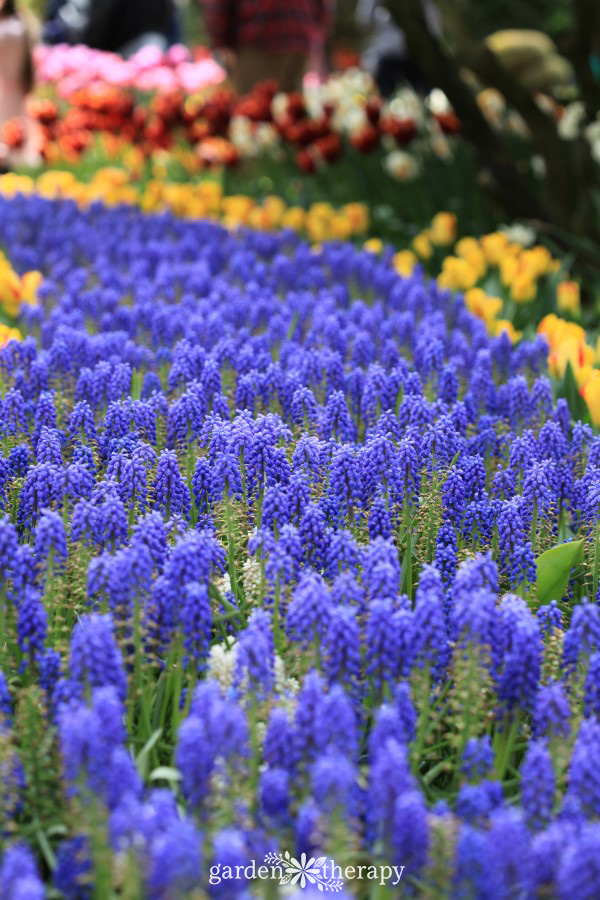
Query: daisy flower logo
pixel 303 871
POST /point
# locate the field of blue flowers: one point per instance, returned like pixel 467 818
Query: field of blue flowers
pixel 294 559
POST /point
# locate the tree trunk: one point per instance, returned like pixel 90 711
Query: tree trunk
pixel 566 202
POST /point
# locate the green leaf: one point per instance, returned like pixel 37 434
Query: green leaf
pixel 46 849
pixel 569 389
pixel 165 773
pixel 554 569
pixel 143 756
pixel 292 327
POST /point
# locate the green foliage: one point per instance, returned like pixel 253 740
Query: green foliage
pixel 551 16
pixel 569 389
pixel 554 569
pixel 398 208
pixel 38 753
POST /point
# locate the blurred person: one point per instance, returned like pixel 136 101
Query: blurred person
pixel 264 40
pixel 18 135
pixel 117 26
pixel 386 55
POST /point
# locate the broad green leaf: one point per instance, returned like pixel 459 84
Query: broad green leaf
pixel 554 569
pixel 569 389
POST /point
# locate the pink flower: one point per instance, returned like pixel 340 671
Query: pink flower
pixel 177 54
pixel 72 68
pixel 195 76
pixel 147 58
pixel 159 79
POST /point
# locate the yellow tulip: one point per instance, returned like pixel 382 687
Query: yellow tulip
pixel 148 202
pixel 322 208
pixel 482 305
pixel 508 269
pixel 358 213
pixel 494 247
pixel 469 249
pixel 505 326
pixel 276 208
pixel 568 298
pixel 111 175
pixel 590 392
pixel 11 184
pixel 575 351
pixel 55 184
pixel 457 274
pixel 9 334
pixel 373 245
pixel 237 207
pixel 539 259
pixel 522 288
pixel 293 218
pixel 30 283
pixel 260 218
pixel 477 260
pixel 443 229
pixel 405 262
pixel 212 194
pixel 550 327
pixel 466 246
pixel 422 245
pixel 340 227
pixel 10 291
pixel 316 228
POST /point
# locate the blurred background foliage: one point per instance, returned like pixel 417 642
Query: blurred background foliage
pixel 551 16
pixel 555 17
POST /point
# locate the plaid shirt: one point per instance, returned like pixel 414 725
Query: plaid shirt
pixel 276 26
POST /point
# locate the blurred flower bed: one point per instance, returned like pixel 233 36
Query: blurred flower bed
pixel 337 141
pixel 385 152
pixel 69 69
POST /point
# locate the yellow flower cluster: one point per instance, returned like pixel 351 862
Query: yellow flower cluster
pixel 193 200
pixel 14 291
pixel 441 233
pixel 517 270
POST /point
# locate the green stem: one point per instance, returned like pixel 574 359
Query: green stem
pixel 231 546
pixel 276 625
pixel 423 719
pixel 507 747
pixel 317 648
pixel 435 771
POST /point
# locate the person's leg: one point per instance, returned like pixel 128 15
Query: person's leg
pixel 293 68
pixel 248 69
pixel 253 65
